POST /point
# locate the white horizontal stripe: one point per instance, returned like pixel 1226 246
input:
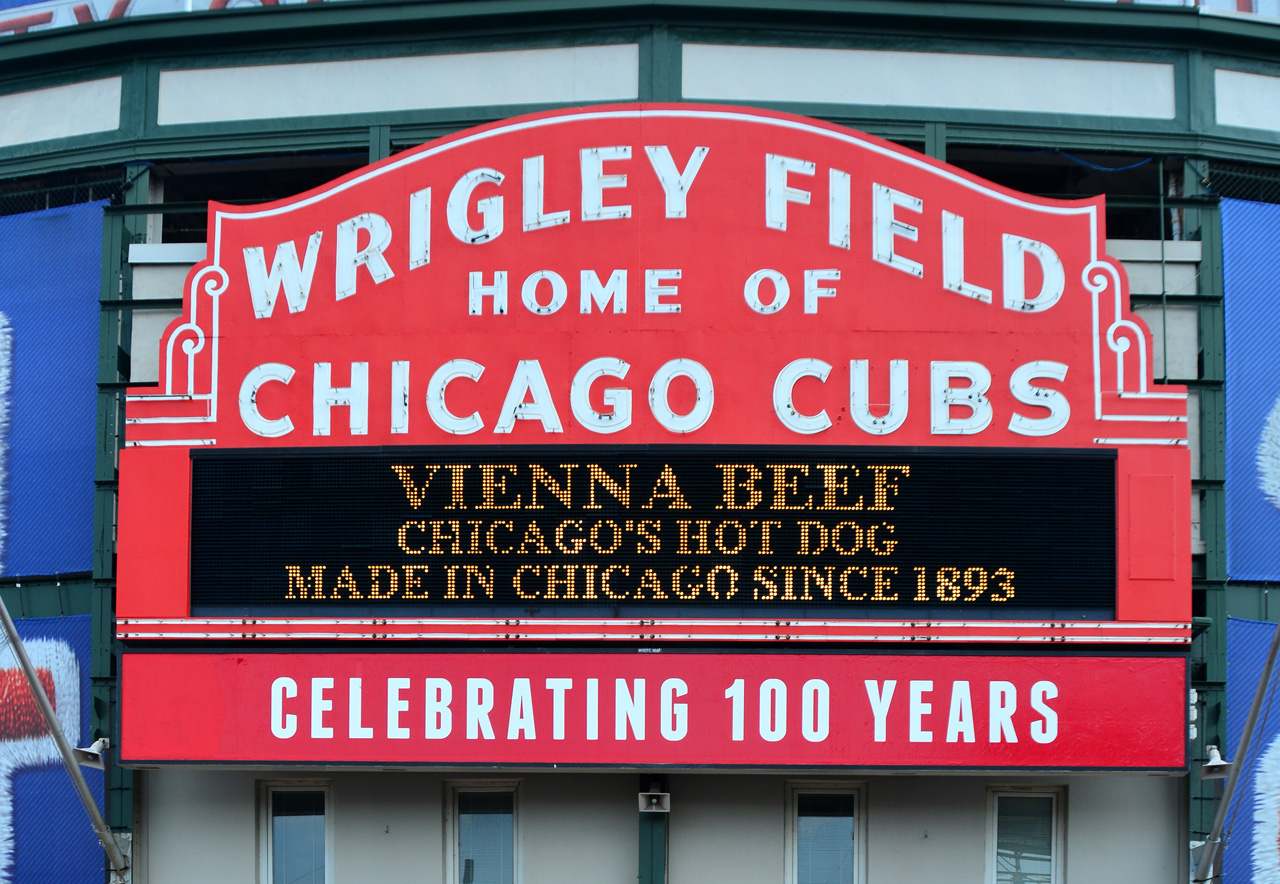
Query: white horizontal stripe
pixel 60 111
pixel 167 252
pixel 1152 394
pixel 1034 84
pixel 163 443
pixel 1148 418
pixel 1251 101
pixel 386 85
pixel 1181 442
pixel 691 636
pixel 703 622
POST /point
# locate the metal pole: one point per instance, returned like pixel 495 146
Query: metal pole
pixel 109 843
pixel 1213 845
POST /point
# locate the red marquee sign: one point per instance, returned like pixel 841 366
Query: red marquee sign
pixel 758 710
pixel 641 275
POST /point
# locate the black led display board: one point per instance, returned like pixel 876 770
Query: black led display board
pixel 699 531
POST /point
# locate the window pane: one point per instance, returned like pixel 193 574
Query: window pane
pixel 297 837
pixel 824 839
pixel 1024 840
pixel 486 837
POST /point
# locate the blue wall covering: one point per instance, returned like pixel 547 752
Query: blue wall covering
pixel 50 266
pixel 45 833
pixel 1251 276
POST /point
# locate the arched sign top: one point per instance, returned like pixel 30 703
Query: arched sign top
pixel 653 273
pixel 603 369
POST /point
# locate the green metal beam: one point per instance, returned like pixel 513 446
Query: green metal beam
pixel 260 28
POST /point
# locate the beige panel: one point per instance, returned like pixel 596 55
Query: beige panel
pixel 579 827
pixel 929 79
pixel 1251 101
pixel 1125 829
pixel 390 822
pixel 1151 250
pixel 60 111
pixel 1198 545
pixel 152 281
pixel 726 829
pixel 926 828
pixel 200 827
pixel 1172 267
pixel 1173 279
pixel 384 85
pixel 1178 328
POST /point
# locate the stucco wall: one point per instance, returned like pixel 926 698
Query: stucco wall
pixel 201 826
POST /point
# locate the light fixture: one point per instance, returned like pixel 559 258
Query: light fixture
pixel 1217 767
pixel 92 757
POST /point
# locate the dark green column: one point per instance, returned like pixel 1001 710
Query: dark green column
pixel 653 836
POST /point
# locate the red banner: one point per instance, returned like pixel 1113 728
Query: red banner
pixel 676 709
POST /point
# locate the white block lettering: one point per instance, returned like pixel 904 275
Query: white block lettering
pixel 783 396
pixel 595 182
pixel 675 184
pixel 249 413
pixel 520 721
pixel 439 718
pixel 325 396
pixel 320 704
pixel 880 699
pixel 457 209
pixel 972 397
pixel 351 258
pixel 395 706
pixel 1004 702
pixel 777 193
pixel 675 716
pixel 617 399
pixel 528 380
pixel 355 712
pixel 558 686
pixel 918 709
pixel 479 705
pixel 285 273
pixel 885 228
pixel 283 726
pixel 1045 730
pixel 628 709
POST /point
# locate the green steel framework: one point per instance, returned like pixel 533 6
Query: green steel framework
pixel 137 49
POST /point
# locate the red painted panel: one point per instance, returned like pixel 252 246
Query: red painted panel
pixel 154 532
pixel 679 709
pixel 887 256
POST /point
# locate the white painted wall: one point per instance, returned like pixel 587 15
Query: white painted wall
pixel 726 828
pixel 1251 101
pixel 60 111
pixel 927 829
pixel 1031 84
pixel 1110 818
pixel 579 828
pixel 385 85
pixel 195 826
pixel 199 827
